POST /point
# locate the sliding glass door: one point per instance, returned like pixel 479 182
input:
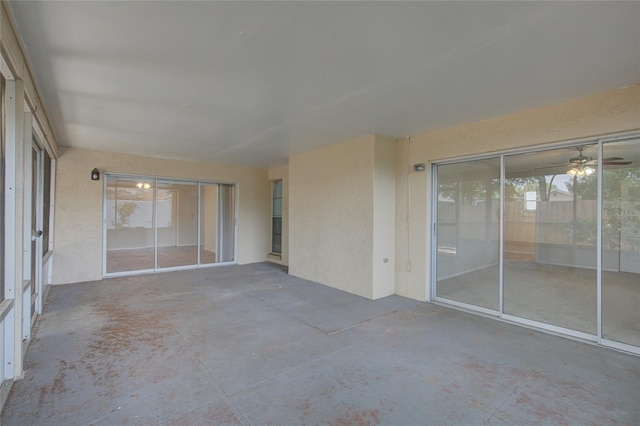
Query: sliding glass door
pixel 177 226
pixel 621 242
pixel 157 224
pixel 130 224
pixel 549 238
pixel 468 232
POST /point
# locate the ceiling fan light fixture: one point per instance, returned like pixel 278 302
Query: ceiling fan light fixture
pixel 581 171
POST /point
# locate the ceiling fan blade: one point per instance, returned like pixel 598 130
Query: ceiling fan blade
pixel 616 163
pixel 613 159
pixel 554 167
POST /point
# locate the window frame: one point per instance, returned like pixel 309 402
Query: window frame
pixel 275 216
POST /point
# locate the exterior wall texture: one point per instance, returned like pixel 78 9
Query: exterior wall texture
pixel 331 215
pixel 616 111
pixel 384 213
pixel 79 206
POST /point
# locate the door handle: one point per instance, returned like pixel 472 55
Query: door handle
pixel 39 233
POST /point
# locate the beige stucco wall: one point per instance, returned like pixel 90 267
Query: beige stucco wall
pixel 342 216
pixel 282 173
pixel 600 114
pixel 384 215
pixel 79 206
pixel 331 215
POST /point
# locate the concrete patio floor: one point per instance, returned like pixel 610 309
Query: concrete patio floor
pixel 252 345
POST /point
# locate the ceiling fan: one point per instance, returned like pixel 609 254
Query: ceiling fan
pixel 581 164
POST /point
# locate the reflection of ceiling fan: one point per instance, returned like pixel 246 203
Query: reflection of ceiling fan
pixel 581 164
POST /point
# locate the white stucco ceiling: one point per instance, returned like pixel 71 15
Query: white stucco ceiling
pixel 252 83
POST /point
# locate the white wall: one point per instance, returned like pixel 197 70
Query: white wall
pixel 600 114
pixel 79 206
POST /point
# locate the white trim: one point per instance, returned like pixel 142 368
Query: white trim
pixel 198 242
pixel 52 204
pixel 620 346
pixel 554 328
pixel 154 212
pixel 5 69
pixel 467 306
pixel 5 306
pixel 11 190
pixel 433 284
pixel 501 238
pixel 599 204
pixel 169 269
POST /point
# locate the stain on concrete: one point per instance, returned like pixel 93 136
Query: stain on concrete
pixel 357 417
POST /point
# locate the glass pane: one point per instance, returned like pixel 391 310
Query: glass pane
pixel 468 231
pixel 226 223
pixel 621 242
pixel 277 206
pixel 550 245
pixel 277 189
pixel 2 168
pixel 130 224
pixel 208 223
pixel 46 204
pixel 276 238
pixel 34 218
pixel 177 210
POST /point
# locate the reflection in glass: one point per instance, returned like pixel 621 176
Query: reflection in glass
pixel 46 202
pixel 468 231
pixel 621 242
pixel 226 223
pixel 208 223
pixel 276 218
pixel 550 224
pixel 130 224
pixel 149 228
pixel 177 211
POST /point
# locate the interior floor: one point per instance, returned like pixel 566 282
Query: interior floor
pixel 556 295
pixel 253 345
pixel 168 257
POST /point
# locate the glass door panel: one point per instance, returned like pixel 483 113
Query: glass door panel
pixel 177 210
pixel 621 242
pixel 130 223
pixel 226 223
pixel 550 228
pixel 208 223
pixel 36 257
pixel 467 269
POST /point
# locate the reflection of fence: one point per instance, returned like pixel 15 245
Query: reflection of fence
pixel 141 216
pixel 552 222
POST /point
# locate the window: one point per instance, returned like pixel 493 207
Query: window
pixel 46 203
pixel 276 218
